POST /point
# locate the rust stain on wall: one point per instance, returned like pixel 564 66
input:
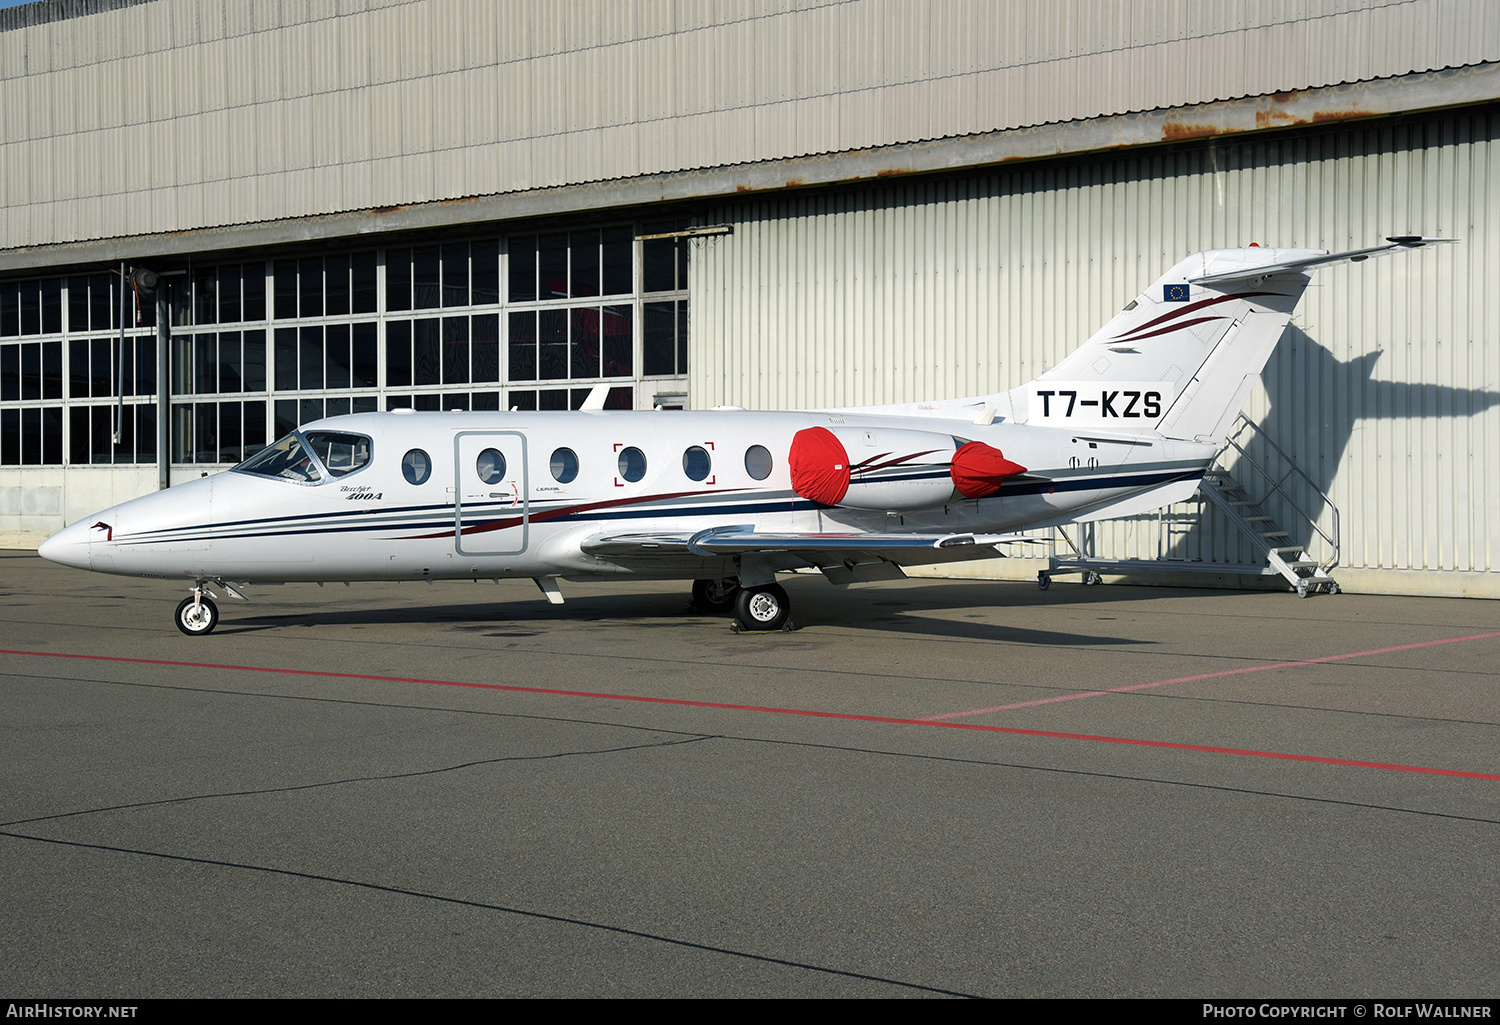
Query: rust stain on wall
pixel 1274 119
pixel 1339 115
pixel 1174 130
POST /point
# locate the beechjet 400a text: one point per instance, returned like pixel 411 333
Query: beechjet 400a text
pixel 728 498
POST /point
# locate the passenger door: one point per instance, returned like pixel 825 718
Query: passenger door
pixel 491 510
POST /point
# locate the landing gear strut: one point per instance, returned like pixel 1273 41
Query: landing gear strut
pixel 715 595
pixel 763 607
pixel 196 615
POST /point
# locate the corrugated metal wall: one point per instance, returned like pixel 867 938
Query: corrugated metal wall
pixel 1386 388
pixel 181 114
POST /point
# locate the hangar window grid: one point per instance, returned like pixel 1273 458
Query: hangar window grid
pixel 527 320
pixel 442 325
pixel 59 352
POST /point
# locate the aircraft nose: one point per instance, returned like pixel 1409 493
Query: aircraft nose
pixel 68 547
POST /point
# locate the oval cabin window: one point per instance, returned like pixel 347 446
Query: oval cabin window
pixel 490 466
pixel 632 464
pixel 696 463
pixel 758 462
pixel 564 465
pixel 416 466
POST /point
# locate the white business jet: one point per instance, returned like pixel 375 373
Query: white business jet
pixel 728 498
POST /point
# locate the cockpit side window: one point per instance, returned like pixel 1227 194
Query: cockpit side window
pixel 341 453
pixel 288 459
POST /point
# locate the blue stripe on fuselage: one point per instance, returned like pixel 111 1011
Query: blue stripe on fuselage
pixel 648 510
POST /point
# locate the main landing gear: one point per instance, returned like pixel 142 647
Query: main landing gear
pixel 758 608
pixel 197 615
pixel 763 607
pixel 715 595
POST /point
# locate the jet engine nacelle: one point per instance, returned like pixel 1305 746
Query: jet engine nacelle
pixel 892 470
pixel 873 468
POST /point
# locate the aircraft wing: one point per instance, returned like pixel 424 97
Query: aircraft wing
pixel 841 557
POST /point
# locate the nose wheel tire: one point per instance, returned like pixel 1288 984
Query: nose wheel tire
pixel 715 595
pixel 762 608
pixel 197 616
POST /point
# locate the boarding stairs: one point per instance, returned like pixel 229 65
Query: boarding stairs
pixel 1295 562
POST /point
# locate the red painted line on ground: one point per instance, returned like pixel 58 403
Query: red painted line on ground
pixel 810 713
pixel 944 717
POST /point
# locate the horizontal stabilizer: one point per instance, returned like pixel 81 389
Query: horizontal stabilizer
pixel 1398 243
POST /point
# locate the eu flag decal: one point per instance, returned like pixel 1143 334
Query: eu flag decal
pixel 1174 293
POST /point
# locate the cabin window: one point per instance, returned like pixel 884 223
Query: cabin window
pixel 696 463
pixel 758 462
pixel 416 466
pixel 286 459
pixel 341 453
pixel 564 465
pixel 490 466
pixel 632 464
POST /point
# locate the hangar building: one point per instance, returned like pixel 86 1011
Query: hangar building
pixel 331 205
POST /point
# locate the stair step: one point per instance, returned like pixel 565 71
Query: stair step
pixel 1303 563
pixel 1273 533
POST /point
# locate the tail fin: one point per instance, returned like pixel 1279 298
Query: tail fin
pixel 1182 357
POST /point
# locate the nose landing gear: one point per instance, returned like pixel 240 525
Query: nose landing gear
pixel 197 615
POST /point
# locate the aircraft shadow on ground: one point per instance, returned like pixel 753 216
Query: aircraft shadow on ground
pixel 924 610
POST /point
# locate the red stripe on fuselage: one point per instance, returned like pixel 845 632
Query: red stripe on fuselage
pixel 571 510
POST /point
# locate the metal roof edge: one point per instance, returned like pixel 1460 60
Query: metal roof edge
pixel 1405 94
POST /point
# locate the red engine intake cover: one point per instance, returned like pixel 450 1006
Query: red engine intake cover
pixel 819 465
pixel 978 470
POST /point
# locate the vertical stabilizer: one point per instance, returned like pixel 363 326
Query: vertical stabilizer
pixel 1181 358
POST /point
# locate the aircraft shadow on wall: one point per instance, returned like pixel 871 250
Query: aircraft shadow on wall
pixel 1318 450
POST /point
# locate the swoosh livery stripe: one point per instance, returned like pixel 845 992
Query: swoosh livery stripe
pixel 1202 304
pixel 1183 326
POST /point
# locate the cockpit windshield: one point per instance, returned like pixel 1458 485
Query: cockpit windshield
pixel 292 458
pixel 287 459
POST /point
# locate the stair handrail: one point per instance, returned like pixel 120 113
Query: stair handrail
pixel 1331 539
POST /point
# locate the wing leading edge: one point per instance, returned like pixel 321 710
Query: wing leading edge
pixel 843 558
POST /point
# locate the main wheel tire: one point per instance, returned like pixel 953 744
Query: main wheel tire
pixel 762 608
pixel 715 595
pixel 197 617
